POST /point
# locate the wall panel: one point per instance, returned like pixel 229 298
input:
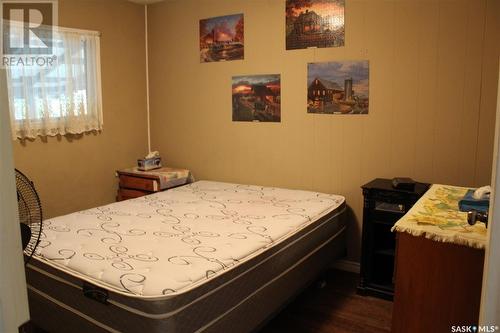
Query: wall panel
pixel 430 64
pixel 77 172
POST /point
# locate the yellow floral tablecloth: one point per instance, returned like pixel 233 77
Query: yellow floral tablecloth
pixel 436 216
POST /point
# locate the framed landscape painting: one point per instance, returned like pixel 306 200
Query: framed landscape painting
pixel 338 87
pixel 314 23
pixel 257 98
pixel 222 38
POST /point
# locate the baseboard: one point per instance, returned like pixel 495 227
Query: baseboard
pixel 346 265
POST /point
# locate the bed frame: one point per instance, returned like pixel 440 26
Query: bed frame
pixel 242 301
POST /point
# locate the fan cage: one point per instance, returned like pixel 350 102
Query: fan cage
pixel 30 211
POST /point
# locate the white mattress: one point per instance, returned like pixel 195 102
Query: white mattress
pixel 170 242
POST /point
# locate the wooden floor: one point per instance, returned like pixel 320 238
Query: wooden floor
pixel 334 308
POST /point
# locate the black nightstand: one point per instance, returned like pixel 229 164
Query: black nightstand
pixel 383 207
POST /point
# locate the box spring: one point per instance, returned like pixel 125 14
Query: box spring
pixel 239 299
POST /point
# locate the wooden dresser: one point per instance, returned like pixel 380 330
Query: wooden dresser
pixel 439 265
pixel 438 285
pixel 134 183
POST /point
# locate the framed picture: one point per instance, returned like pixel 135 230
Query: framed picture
pixel 257 98
pixel 338 87
pixel 222 38
pixel 314 23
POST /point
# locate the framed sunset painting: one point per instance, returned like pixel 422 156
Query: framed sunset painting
pixel 222 38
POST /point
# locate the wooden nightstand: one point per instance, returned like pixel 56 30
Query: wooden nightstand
pixel 134 183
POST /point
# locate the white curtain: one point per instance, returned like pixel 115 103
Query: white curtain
pixel 62 98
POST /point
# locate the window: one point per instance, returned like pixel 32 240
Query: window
pixel 62 98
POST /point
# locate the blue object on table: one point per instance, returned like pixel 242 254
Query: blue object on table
pixel 468 203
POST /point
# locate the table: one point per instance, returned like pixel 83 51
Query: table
pixel 134 183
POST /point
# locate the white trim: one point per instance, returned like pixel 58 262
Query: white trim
pixel 490 298
pixel 347 266
pixel 77 31
pixel 57 28
pixel 147 75
pixel 100 114
pixel 13 295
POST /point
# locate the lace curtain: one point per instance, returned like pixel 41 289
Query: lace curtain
pixel 62 98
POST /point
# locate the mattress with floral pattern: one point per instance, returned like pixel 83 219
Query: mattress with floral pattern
pixel 170 242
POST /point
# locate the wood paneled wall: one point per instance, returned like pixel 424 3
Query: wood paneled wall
pixel 432 98
pixel 76 172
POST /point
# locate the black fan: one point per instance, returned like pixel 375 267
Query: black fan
pixel 30 214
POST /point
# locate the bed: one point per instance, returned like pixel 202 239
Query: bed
pixel 205 257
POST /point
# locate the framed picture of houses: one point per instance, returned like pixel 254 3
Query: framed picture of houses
pixel 314 23
pixel 338 87
pixel 222 38
pixel 257 98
